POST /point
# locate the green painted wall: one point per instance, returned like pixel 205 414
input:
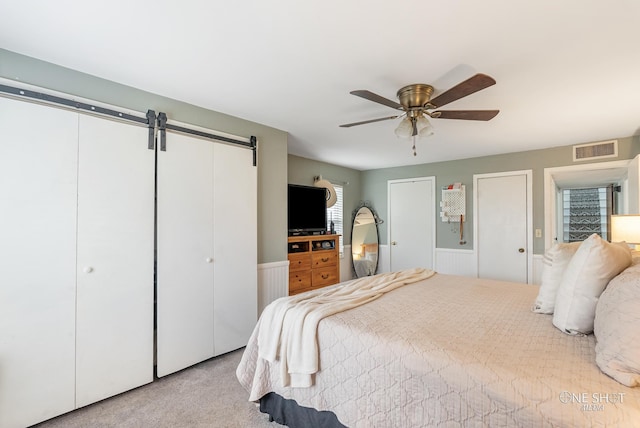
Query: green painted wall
pixel 272 143
pixel 276 168
pixel 374 184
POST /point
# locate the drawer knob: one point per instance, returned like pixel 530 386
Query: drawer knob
pixel 325 276
pixel 325 259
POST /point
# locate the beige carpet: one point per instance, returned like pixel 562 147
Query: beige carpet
pixel 205 395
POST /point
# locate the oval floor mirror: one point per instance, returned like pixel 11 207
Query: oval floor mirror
pixel 364 240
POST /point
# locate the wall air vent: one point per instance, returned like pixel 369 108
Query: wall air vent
pixel 603 149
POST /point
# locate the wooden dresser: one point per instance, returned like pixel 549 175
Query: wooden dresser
pixel 313 262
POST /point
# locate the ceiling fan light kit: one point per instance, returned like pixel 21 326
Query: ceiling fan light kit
pixel 414 126
pixel 405 128
pixel 416 103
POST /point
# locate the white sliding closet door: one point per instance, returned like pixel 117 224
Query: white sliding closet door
pixel 76 260
pixel 38 166
pixel 185 253
pixel 235 253
pixel 207 251
pixel 115 259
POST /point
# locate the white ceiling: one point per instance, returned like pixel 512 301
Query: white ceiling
pixel 567 71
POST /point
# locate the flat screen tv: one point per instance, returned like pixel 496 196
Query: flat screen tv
pixel 307 213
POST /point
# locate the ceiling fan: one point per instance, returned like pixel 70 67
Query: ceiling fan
pixel 416 103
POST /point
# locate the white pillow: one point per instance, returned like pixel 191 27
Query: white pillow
pixel 617 328
pixel 585 278
pixel 555 261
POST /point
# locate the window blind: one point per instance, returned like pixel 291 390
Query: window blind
pixel 335 214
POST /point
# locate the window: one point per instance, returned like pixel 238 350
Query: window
pixel 335 215
pixel 586 211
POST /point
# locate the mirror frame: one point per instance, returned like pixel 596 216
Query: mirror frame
pixel 377 221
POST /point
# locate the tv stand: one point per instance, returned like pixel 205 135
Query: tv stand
pixel 313 262
pixel 304 233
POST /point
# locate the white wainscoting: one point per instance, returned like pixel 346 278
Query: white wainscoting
pixel 456 262
pixel 346 267
pixel 273 282
pixel 273 278
pixel 463 262
pixel 384 260
pixel 537 268
pixel 451 261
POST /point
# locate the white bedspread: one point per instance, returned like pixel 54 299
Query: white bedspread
pixel 452 351
pixel 287 328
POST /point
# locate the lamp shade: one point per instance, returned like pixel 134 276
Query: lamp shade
pixel 625 228
pixel 424 127
pixel 405 128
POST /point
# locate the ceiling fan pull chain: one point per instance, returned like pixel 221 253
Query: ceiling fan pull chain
pixel 414 145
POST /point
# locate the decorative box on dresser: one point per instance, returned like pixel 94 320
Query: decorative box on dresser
pixel 313 262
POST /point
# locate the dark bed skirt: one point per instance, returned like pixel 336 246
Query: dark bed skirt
pixel 287 412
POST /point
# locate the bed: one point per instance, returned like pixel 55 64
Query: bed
pixel 445 351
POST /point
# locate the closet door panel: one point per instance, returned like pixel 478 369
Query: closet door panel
pixel 38 164
pixel 185 253
pixel 235 247
pixel 115 259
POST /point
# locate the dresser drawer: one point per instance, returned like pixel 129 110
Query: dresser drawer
pixel 324 258
pixel 321 277
pixel 299 281
pixel 299 262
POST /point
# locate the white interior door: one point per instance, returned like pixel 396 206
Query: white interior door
pixel 185 266
pixel 114 346
pixel 235 257
pixel 38 188
pixel 411 223
pixel 503 225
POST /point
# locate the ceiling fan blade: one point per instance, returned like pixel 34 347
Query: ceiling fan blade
pixel 349 125
pixel 468 87
pixel 465 114
pixel 368 95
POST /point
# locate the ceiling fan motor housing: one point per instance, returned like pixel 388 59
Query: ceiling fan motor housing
pixel 415 96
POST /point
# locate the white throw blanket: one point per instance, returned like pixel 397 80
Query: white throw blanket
pixel 287 327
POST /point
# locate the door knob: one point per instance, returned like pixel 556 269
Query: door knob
pixel 208 260
pixel 394 243
pixel 521 250
pixel 87 269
